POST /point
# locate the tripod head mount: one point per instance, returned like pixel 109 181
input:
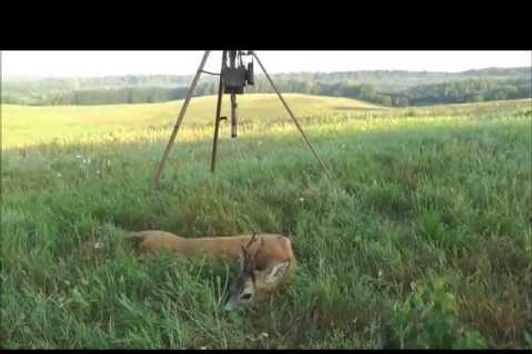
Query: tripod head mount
pixel 235 74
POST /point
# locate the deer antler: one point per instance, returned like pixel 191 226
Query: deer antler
pixel 254 256
pixel 251 240
pixel 249 259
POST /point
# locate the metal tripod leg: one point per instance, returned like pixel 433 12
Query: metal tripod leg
pixel 182 112
pixel 292 116
pixel 217 119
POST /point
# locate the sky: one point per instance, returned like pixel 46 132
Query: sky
pixel 106 63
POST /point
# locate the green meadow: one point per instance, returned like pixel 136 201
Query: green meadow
pixel 422 238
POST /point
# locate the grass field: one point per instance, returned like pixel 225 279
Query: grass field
pixel 422 239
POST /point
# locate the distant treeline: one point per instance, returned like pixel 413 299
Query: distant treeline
pixel 106 96
pixel 392 88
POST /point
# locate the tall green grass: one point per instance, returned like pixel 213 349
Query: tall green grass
pixel 422 239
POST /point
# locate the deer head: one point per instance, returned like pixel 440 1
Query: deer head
pixel 244 291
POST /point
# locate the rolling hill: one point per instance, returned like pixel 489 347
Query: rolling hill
pixel 23 125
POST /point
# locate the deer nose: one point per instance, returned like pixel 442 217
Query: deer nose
pixel 230 306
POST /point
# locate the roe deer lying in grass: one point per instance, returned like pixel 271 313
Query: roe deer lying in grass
pixel 265 259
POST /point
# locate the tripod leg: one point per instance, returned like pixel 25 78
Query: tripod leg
pixel 217 121
pixel 179 119
pixel 234 117
pixel 292 116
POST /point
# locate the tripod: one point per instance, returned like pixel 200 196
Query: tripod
pixel 232 80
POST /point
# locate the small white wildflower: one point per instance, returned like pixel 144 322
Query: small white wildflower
pixel 264 335
pixel 98 245
pixel 301 199
pixel 379 274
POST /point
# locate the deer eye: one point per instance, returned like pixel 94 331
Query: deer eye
pixel 246 296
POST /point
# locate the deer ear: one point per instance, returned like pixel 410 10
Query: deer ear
pixel 275 272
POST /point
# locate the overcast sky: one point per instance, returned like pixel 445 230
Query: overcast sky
pixel 101 63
